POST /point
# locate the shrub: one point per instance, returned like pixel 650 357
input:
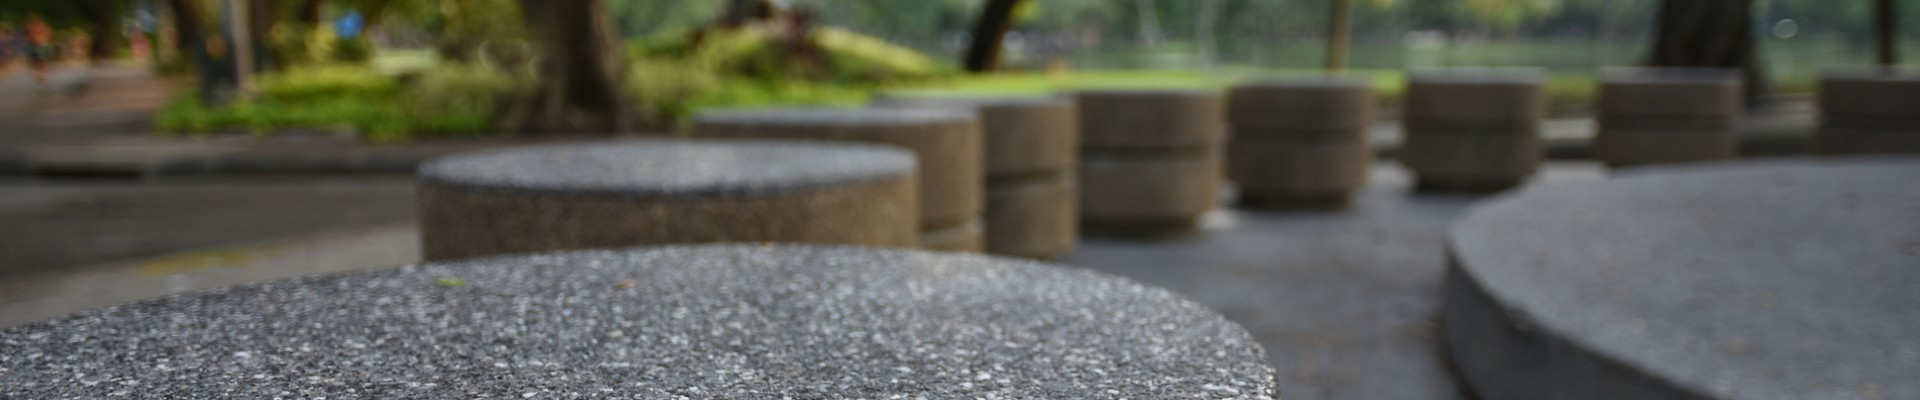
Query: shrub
pixel 324 82
pixel 452 99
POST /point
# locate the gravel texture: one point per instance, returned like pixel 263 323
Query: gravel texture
pixel 671 168
pixel 665 323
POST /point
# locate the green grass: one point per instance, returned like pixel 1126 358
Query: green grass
pixel 398 61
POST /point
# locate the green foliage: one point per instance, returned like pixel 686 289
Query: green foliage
pixel 357 51
pixel 678 74
pixel 327 81
pixel 456 98
pixel 676 89
pixel 449 100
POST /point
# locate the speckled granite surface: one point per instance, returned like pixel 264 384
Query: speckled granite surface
pixel 677 322
pixel 670 168
pixel 1752 280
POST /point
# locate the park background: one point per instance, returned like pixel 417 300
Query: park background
pixel 431 68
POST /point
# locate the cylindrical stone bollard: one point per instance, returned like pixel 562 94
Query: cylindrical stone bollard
pixel 1473 130
pixel 1667 115
pixel 1150 159
pixel 1869 112
pixel 1031 148
pixel 1300 143
pixel 721 322
pixel 947 142
pixel 602 195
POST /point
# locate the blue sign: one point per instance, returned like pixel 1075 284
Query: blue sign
pixel 349 26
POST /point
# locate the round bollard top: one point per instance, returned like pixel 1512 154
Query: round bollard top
pixel 746 322
pixel 852 117
pixel 944 100
pixel 1306 82
pixel 1134 92
pixel 1668 76
pixel 1898 74
pixel 671 168
pixel 1774 280
pixel 1480 76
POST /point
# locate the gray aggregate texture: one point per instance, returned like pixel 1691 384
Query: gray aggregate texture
pixel 1764 280
pixel 752 322
pixel 834 116
pixel 671 168
pixel 1489 76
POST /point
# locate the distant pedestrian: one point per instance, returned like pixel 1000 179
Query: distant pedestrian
pixel 40 51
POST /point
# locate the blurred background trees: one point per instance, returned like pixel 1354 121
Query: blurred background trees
pixel 491 65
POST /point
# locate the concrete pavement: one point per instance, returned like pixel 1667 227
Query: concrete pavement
pixel 1345 302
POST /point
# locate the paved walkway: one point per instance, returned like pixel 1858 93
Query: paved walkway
pixel 88 103
pixel 1344 301
pixel 19 98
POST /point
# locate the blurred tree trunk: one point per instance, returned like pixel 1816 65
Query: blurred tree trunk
pixel 104 29
pixel 744 11
pixel 1887 26
pixel 1149 22
pixel 581 85
pixel 1205 18
pixel 374 11
pixel 187 26
pixel 1339 34
pixel 310 12
pixel 1709 34
pixel 262 17
pixel 990 34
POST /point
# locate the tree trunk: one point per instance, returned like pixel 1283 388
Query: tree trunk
pixel 310 12
pixel 989 35
pixel 103 21
pixel 262 16
pixel 1204 20
pixel 1710 34
pixel 1339 34
pixel 581 88
pixel 187 27
pixel 1887 26
pixel 744 11
pixel 374 12
pixel 1149 22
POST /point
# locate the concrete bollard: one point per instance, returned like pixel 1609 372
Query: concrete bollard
pixel 1667 115
pixel 715 321
pixel 622 194
pixel 947 143
pixel 1300 143
pixel 1150 159
pixel 1474 130
pixel 1869 112
pixel 1031 150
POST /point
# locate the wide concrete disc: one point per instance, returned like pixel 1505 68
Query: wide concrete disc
pixel 1775 280
pixel 731 322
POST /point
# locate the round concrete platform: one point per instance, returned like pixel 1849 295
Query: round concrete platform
pixel 674 322
pixel 1768 280
pixel 947 142
pixel 670 168
pixel 620 194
